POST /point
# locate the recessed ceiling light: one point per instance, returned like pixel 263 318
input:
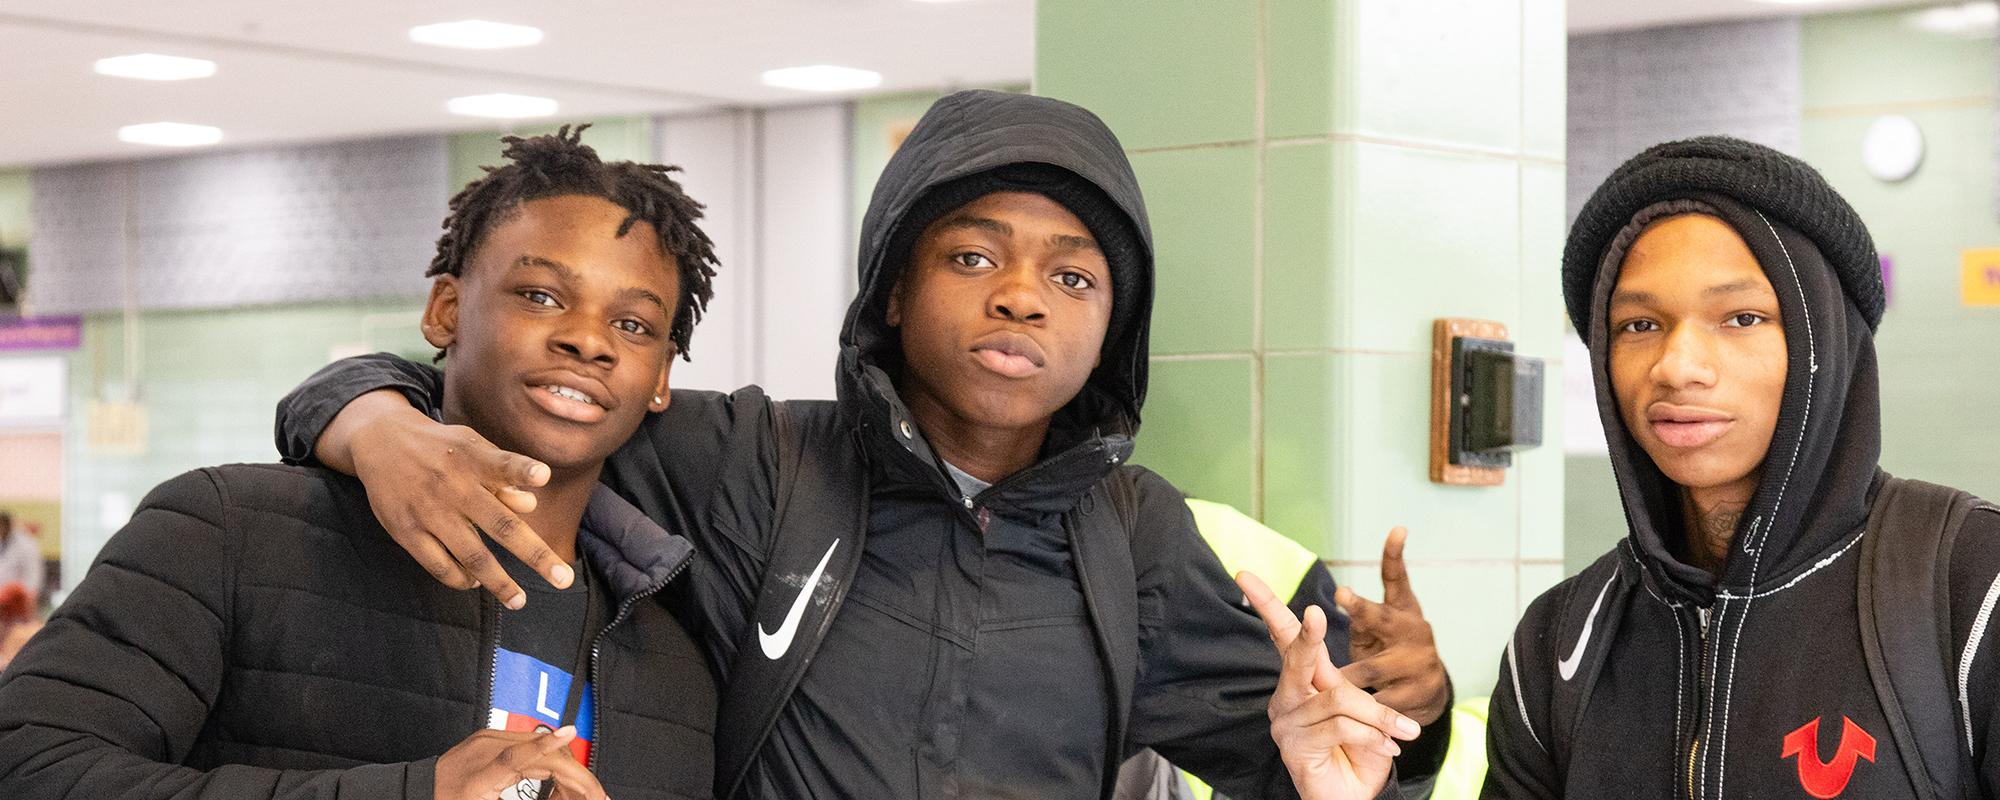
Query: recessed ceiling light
pixel 505 106
pixel 1971 19
pixel 154 67
pixel 822 78
pixel 474 34
pixel 170 134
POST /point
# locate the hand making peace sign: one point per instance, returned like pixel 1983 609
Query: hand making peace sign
pixel 1391 645
pixel 1336 740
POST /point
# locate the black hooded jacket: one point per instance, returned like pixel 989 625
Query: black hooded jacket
pixel 1018 643
pixel 254 634
pixel 1645 676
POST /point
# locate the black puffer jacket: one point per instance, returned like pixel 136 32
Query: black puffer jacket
pixel 1019 644
pixel 253 633
pixel 1644 676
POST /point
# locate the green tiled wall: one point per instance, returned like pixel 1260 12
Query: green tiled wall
pixel 1207 400
pixel 1939 360
pixel 210 381
pixel 1324 178
pixel 1594 519
pixel 1111 58
pixel 1204 232
pixel 14 218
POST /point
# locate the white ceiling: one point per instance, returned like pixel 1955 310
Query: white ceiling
pixel 322 70
pixel 300 71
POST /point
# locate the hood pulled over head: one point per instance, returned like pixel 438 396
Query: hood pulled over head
pixel 1818 475
pixel 975 143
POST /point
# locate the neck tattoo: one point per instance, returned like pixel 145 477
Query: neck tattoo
pixel 1711 533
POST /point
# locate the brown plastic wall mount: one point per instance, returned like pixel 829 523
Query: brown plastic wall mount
pixel 1443 330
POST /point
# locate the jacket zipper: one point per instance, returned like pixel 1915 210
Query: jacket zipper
pixel 489 617
pixel 1701 688
pixel 597 645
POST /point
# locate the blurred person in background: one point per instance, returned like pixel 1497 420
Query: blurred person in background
pixel 21 572
pixel 20 565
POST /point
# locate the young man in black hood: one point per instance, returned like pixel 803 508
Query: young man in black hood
pixel 948 582
pixel 1784 617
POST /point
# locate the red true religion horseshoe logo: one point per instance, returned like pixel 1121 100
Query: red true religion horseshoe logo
pixel 1827 779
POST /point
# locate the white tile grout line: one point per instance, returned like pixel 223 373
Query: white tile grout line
pixel 1412 144
pixel 1175 148
pixel 1199 357
pixel 1520 257
pixel 1258 132
pixel 1341 261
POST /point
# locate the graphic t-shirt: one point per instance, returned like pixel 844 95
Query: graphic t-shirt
pixel 533 669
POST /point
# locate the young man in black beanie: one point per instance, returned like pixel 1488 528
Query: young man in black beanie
pixel 1784 617
pixel 947 582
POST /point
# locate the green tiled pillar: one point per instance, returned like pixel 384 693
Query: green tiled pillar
pixel 1325 177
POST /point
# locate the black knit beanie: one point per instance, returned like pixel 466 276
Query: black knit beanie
pixel 1116 236
pixel 1759 177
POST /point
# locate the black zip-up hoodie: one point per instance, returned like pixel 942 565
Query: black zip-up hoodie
pixel 1018 643
pixel 1645 676
pixel 254 634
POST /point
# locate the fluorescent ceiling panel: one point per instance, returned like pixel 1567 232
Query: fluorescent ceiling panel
pixel 170 134
pixel 501 106
pixel 822 78
pixel 475 34
pixel 154 67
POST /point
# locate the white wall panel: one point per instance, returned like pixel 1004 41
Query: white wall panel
pixel 776 183
pixel 807 251
pixel 716 152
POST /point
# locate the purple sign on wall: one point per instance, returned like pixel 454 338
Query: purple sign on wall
pixel 55 332
pixel 1888 279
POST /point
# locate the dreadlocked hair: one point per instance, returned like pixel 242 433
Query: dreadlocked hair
pixel 560 166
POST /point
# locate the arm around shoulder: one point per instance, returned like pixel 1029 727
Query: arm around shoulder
pixel 306 412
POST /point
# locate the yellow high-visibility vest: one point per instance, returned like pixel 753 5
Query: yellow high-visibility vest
pixel 1246 544
pixel 1242 544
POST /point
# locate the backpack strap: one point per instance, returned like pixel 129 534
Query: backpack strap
pixel 1584 627
pixel 1100 529
pixel 1904 599
pixel 820 517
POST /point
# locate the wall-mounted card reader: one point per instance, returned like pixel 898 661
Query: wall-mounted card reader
pixel 1486 402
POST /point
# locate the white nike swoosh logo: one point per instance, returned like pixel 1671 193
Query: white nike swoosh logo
pixel 775 644
pixel 1568 666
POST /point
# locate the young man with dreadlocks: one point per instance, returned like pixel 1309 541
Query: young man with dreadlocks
pixel 254 633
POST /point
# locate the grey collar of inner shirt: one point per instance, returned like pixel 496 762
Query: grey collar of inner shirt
pixel 968 486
